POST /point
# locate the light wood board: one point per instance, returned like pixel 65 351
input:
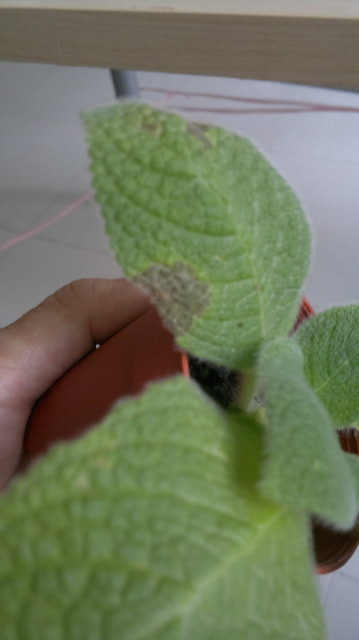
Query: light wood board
pixel 308 41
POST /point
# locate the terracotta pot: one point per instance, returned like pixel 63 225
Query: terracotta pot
pixel 334 548
pixel 142 352
pixel 306 310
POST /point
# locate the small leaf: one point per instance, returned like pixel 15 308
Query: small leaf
pixel 305 467
pixel 200 218
pixel 330 343
pixel 137 531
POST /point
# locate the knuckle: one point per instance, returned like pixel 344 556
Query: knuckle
pixel 69 297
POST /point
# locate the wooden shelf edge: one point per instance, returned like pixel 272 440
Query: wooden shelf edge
pixel 307 50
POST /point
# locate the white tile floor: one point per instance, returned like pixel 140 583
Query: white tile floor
pixel 43 169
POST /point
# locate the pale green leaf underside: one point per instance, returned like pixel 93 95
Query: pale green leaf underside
pixel 201 199
pixel 330 343
pixel 305 466
pixel 138 532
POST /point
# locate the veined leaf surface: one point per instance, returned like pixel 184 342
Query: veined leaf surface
pixel 330 343
pixel 201 219
pixel 137 531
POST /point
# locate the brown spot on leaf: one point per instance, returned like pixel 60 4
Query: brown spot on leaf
pixel 199 130
pixel 154 128
pixel 178 294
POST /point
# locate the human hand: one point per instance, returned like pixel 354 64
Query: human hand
pixel 44 343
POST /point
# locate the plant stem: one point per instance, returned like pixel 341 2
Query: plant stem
pixel 246 393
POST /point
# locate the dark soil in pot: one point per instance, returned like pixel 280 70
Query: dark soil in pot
pixel 220 383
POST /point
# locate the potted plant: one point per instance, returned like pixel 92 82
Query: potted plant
pixel 176 518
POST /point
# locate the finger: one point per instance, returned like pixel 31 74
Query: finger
pixel 45 342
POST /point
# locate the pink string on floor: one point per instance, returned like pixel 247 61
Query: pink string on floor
pixel 278 106
pixel 36 230
pixel 227 111
pixel 166 99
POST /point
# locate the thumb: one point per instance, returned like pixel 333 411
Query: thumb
pixel 49 339
pixel 39 347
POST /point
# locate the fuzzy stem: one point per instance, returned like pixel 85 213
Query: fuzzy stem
pixel 246 392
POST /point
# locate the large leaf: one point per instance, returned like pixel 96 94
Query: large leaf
pixel 203 221
pixel 139 531
pixel 305 466
pixel 330 343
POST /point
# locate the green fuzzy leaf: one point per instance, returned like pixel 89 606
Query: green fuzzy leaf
pixel 305 466
pixel 137 531
pixel 246 450
pixel 200 218
pixel 330 343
